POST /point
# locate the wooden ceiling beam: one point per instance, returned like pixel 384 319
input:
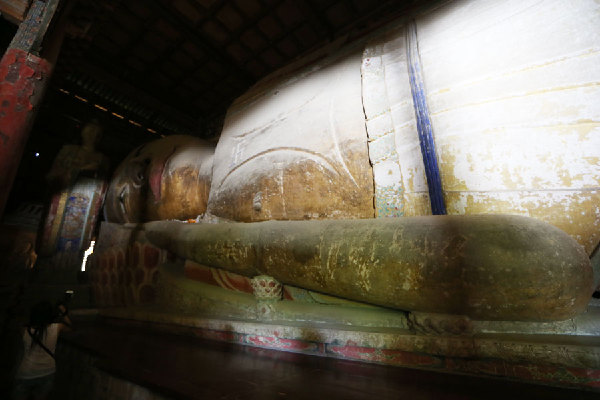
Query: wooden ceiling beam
pixel 96 69
pixel 317 18
pixel 280 37
pixel 14 10
pixel 387 9
pixel 32 30
pixel 175 46
pixel 127 49
pixel 210 11
pixel 199 39
pixel 290 33
pixel 249 23
pixel 270 43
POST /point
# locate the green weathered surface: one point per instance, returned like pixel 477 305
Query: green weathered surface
pixel 595 260
pixel 488 267
pixel 179 295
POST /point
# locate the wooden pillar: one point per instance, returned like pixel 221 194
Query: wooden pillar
pixel 24 76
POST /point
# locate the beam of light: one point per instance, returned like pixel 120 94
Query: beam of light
pixel 89 251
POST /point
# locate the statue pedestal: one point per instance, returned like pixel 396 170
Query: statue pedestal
pixel 559 359
pixel 139 284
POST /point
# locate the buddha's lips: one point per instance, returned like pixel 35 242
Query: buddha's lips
pixel 155 175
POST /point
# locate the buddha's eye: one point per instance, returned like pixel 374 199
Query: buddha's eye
pixel 137 172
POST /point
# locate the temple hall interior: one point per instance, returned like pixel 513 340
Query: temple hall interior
pixel 300 199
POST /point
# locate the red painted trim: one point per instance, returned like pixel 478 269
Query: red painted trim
pixel 550 374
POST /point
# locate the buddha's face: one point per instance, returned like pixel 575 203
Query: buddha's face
pixel 165 179
pixel 90 135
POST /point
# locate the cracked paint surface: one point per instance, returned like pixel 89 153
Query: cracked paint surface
pixel 438 264
pixel 22 80
pixel 514 110
pixel 295 147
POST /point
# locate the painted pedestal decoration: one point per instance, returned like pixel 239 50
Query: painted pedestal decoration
pixel 78 184
pixel 123 270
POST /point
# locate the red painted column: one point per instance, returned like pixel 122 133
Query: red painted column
pixel 23 78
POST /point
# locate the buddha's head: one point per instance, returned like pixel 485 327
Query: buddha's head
pixel 91 134
pixel 168 178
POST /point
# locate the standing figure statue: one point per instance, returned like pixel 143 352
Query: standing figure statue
pixel 77 181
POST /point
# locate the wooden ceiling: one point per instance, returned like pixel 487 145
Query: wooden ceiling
pixel 175 66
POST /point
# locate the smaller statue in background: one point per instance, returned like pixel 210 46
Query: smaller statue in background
pixel 78 182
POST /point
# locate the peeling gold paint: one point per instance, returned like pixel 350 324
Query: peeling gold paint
pixel 304 189
pixel 447 163
pixel 417 203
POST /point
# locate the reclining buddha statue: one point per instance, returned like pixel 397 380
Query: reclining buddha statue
pixel 325 175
